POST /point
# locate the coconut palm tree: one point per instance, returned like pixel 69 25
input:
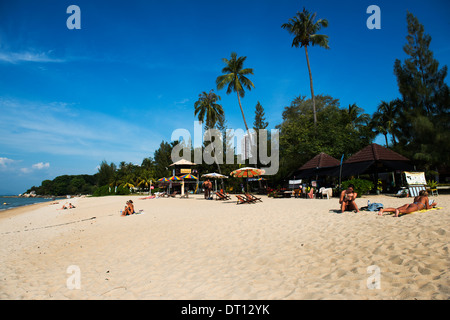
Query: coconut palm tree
pixel 207 109
pixel 304 28
pixel 145 179
pixel 235 79
pixel 386 116
pixel 356 116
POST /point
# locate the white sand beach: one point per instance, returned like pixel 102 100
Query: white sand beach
pixel 199 249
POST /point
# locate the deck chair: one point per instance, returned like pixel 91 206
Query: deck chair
pixel 241 199
pixel 173 194
pixel 414 190
pixel 222 196
pixel 251 197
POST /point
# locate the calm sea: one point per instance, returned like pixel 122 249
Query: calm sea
pixel 14 202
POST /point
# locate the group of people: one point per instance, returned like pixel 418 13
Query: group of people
pixel 207 187
pixel 348 197
pixel 129 208
pixel 67 206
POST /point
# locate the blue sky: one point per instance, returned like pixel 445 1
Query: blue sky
pixel 117 87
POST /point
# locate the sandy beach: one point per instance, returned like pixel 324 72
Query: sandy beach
pixel 198 249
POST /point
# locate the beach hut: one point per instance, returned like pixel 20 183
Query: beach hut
pixel 317 166
pixel 182 167
pixel 375 159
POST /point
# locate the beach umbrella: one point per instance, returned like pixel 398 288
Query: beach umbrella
pixel 174 178
pixel 247 172
pixel 163 180
pixel 215 176
pixel 188 176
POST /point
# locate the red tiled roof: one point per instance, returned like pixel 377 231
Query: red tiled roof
pixel 322 160
pixel 375 152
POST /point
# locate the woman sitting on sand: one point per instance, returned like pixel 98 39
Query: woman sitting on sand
pixel 347 199
pixel 420 202
pixel 129 208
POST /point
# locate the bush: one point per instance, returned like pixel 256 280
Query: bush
pixel 361 186
pixel 104 191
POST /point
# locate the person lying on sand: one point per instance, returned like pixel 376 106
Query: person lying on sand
pixel 67 206
pixel 347 199
pixel 420 202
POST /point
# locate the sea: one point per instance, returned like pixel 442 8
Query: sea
pixel 9 202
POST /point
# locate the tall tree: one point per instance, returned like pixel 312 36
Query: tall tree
pixel 425 105
pixel 235 79
pixel 304 27
pixel 106 173
pixel 385 118
pixel 162 157
pixel 260 120
pixel 300 141
pixel 259 123
pixel 207 109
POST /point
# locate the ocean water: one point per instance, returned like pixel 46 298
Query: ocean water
pixel 14 202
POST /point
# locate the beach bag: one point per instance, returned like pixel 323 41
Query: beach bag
pixel 375 206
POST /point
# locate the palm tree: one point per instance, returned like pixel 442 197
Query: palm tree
pixel 356 117
pixel 235 78
pixel 386 116
pixel 207 108
pixel 304 28
pixel 145 179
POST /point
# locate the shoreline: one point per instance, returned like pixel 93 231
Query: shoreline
pixel 11 212
pixel 196 249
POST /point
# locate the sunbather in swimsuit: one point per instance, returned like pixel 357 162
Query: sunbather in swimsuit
pixel 420 202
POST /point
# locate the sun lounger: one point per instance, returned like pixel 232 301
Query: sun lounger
pixel 173 194
pixel 252 198
pixel 242 199
pixel 222 196
pixel 414 190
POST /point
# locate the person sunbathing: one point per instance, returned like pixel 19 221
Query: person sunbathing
pixel 420 202
pixel 347 199
pixel 69 206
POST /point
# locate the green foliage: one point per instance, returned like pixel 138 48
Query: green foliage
pixel 338 132
pixel 432 184
pixel 361 186
pixel 423 123
pixel 66 185
pixel 108 191
pixel 235 79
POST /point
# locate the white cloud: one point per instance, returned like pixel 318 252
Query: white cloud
pixel 63 129
pixel 5 161
pixel 41 165
pixel 17 57
pixel 25 170
pixel 183 101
